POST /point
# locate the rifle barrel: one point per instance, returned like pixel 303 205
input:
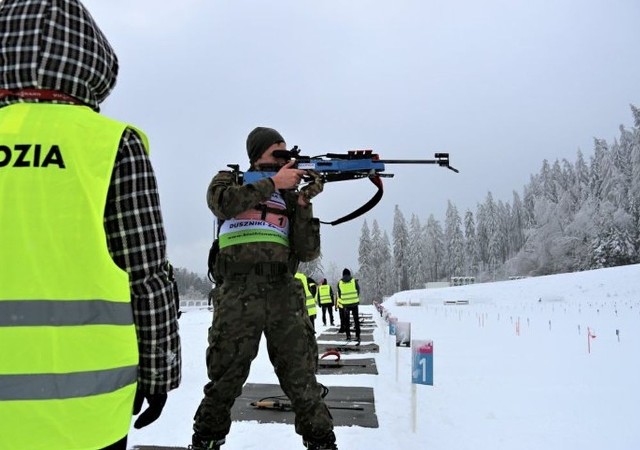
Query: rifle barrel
pixel 410 161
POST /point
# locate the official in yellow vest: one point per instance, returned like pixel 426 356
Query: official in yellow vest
pixel 349 294
pixel 309 296
pixel 326 301
pixel 70 365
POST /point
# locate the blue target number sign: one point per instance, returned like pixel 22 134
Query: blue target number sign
pixel 422 362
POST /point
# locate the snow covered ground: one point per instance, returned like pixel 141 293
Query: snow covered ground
pixel 494 387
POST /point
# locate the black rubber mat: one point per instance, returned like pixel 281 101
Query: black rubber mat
pixel 342 338
pixel 349 348
pixel 362 330
pixel 355 366
pixel 349 405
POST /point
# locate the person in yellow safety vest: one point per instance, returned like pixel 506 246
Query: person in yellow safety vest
pixel 88 320
pixel 349 294
pixel 326 301
pixel 309 296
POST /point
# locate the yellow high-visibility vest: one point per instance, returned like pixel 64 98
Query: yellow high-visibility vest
pixel 348 292
pixel 310 300
pixel 324 294
pixel 69 360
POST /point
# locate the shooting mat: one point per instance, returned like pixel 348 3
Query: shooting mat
pixel 363 330
pixel 364 366
pixel 349 348
pixel 343 339
pixel 338 397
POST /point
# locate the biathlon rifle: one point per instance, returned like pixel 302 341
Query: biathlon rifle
pixel 331 167
pixel 280 405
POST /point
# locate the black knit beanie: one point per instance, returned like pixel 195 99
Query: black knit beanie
pixel 346 273
pixel 259 140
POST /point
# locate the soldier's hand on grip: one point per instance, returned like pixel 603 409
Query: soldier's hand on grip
pixel 314 187
pixel 287 177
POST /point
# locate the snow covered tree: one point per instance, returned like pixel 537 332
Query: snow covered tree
pixel 379 276
pixel 312 269
pixel 434 238
pixel 516 225
pixel 365 252
pixel 400 236
pixel 612 247
pixel 470 245
pixel 454 241
pixel 416 261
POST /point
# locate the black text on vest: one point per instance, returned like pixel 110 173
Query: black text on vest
pixel 31 155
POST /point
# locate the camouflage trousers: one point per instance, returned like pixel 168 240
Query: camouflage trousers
pixel 244 309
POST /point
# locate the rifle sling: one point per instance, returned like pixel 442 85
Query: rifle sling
pixel 373 201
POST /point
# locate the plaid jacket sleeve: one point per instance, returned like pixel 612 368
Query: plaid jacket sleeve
pixel 137 243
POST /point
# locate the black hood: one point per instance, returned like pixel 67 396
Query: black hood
pixel 54 44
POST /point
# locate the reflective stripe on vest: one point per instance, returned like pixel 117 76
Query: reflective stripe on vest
pixel 66 385
pixel 348 292
pixel 309 299
pixel 252 226
pixel 64 312
pixel 324 293
pixel 69 346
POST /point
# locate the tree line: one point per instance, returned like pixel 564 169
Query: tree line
pixel 570 216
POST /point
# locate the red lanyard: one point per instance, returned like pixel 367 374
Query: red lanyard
pixel 39 94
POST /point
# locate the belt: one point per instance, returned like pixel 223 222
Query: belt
pixel 268 269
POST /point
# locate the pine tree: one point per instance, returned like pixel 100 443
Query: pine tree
pixel 454 241
pixel 387 278
pixel 416 263
pixel 400 249
pixel 312 269
pixel 365 271
pixel 434 238
pixel 470 245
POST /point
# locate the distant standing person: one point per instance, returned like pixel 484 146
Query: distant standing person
pixel 349 293
pixel 326 299
pixel 309 286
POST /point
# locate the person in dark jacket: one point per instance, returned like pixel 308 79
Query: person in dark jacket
pixel 266 228
pixel 84 267
pixel 349 294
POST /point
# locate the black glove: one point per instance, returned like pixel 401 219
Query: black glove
pixel 156 403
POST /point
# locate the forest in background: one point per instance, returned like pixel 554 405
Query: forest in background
pixel 570 216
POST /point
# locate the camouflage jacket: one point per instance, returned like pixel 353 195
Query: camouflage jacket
pixel 227 198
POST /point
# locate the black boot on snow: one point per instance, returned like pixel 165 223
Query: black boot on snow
pixel 204 444
pixel 327 443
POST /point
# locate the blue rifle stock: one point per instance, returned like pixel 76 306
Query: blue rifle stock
pixel 352 165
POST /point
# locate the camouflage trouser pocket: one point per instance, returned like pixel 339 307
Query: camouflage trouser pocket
pixel 307 242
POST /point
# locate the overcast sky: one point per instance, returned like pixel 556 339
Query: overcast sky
pixel 499 84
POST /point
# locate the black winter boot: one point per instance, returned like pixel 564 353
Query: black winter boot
pixel 326 443
pixel 204 444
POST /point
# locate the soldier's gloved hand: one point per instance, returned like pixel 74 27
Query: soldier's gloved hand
pixel 314 187
pixel 156 403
